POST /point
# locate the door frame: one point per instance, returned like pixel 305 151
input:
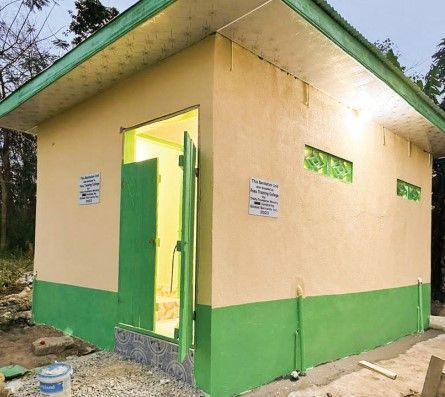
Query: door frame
pixel 123 131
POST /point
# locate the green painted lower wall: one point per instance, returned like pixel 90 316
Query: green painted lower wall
pixel 90 314
pixel 245 346
pixel 253 344
pixel 339 325
pixel 203 352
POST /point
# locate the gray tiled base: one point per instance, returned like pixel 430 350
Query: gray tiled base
pixel 151 351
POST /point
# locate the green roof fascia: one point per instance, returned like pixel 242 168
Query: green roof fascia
pixel 105 36
pixel 328 21
pixel 317 12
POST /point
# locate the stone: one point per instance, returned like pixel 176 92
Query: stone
pixel 51 345
pixel 437 322
pixel 294 375
pixel 25 279
pixel 15 309
pixel 87 350
pixel 5 318
pixel 14 386
pixel 3 391
pixel 26 315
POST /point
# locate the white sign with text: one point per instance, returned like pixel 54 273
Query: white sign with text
pixel 89 189
pixel 263 198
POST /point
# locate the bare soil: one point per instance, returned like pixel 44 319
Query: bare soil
pixel 15 347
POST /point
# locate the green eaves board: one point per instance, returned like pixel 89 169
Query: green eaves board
pixel 122 24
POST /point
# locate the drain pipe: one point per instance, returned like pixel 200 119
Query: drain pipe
pixel 299 333
pixel 420 327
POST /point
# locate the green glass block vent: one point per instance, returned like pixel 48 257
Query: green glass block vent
pixel 408 191
pixel 327 164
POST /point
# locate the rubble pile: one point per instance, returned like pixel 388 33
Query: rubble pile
pixel 3 391
pixel 15 309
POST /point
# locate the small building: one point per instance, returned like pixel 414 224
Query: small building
pixel 230 190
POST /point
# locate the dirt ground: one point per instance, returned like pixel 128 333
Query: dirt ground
pixel 15 347
pixel 408 357
pixel 100 374
pixel 107 375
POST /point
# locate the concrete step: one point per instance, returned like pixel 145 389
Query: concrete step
pixel 437 322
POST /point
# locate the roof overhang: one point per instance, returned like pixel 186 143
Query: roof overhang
pixel 304 37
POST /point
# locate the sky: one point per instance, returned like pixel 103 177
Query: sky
pixel 415 26
pixel 60 19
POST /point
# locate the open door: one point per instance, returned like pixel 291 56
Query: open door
pixel 138 244
pixel 186 247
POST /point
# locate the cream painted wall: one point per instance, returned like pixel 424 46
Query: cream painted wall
pixel 79 245
pixel 330 237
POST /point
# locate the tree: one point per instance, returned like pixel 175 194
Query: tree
pixel 438 231
pixel 435 88
pixel 24 52
pixel 432 85
pixel 434 81
pixel 90 16
pixel 439 65
pixel 389 49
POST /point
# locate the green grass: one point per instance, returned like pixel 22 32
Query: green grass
pixel 12 266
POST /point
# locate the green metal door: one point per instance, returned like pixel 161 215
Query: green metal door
pixel 137 253
pixel 186 245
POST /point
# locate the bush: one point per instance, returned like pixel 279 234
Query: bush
pixel 12 267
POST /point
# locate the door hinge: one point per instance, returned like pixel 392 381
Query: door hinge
pixel 194 315
pixel 155 241
pixel 159 178
pixel 181 160
pixel 179 245
pixel 197 172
